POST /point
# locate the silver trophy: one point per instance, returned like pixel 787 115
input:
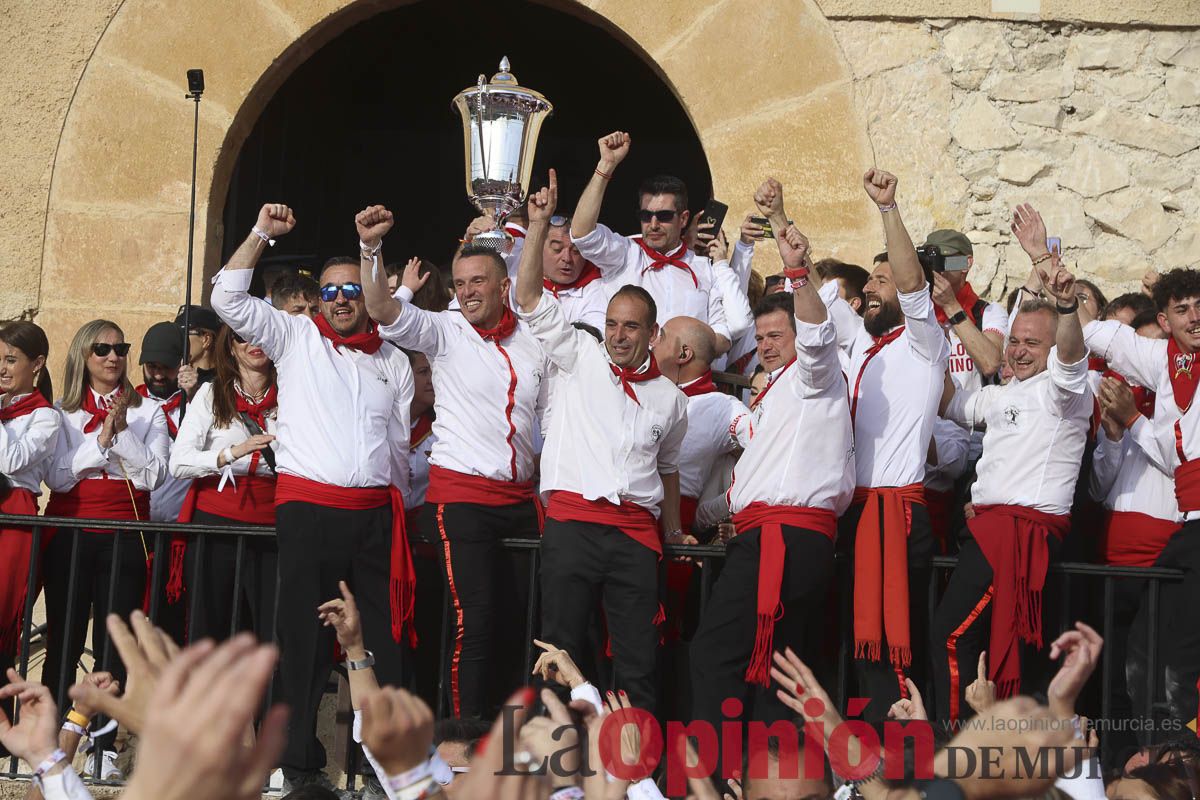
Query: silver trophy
pixel 501 121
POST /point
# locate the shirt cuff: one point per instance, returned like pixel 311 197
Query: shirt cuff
pixel 819 334
pixel 1098 335
pixel 404 294
pixel 234 280
pixel 918 304
pixel 1072 377
pixel 66 785
pixel 645 789
pixel 585 691
pixel 592 239
pixel 828 291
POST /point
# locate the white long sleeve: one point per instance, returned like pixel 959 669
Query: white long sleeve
pixel 27 446
pixel 738 316
pixel 66 785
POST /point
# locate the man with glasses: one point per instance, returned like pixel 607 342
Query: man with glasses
pixel 681 283
pixel 489 396
pixel 202 326
pixel 342 458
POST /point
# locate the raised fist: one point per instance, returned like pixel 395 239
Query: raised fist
pixel 541 203
pixel 794 248
pixel 275 220
pixel 373 223
pixel 769 197
pixel 881 186
pixel 614 148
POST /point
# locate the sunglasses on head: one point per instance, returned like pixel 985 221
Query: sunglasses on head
pixel 559 221
pixel 662 215
pixel 350 291
pixel 102 349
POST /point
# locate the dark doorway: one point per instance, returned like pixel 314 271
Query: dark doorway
pixel 367 119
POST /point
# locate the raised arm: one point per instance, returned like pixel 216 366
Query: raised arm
pixel 986 348
pixel 1030 231
pixel 1069 338
pixel 613 149
pixel 902 256
pixel 529 273
pixel 793 249
pixel 274 220
pixel 373 223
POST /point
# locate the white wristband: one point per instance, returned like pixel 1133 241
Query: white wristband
pixel 260 233
pixel 405 780
pixel 229 456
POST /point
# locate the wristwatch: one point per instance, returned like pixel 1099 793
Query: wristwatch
pixel 961 316
pixel 362 663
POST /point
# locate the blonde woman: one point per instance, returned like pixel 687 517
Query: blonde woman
pixel 112 452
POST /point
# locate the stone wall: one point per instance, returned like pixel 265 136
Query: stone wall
pixel 1098 129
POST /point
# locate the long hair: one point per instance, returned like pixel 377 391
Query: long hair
pixel 31 340
pixel 76 380
pixel 224 395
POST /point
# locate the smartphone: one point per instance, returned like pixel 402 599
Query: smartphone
pixel 714 212
pixel 765 224
pixel 955 264
pixel 1054 245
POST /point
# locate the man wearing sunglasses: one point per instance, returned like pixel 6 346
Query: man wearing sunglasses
pixel 489 397
pixel 342 458
pixel 681 283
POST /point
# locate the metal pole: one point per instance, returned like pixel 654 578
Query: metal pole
pixel 194 95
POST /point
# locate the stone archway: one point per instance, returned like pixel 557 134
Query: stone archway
pixel 762 80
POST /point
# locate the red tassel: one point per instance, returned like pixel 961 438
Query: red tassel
pixel 900 656
pixel 869 650
pixel 149 582
pixel 403 594
pixel 759 670
pixel 175 587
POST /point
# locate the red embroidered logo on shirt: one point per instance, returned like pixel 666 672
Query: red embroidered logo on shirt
pixel 1183 364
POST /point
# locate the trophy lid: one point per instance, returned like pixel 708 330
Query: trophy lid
pixel 505 81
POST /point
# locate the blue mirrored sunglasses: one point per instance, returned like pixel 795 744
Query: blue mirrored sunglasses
pixel 559 221
pixel 350 291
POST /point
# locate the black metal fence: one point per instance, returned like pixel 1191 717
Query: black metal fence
pixel 1063 580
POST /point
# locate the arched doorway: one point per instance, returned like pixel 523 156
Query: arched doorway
pixel 367 119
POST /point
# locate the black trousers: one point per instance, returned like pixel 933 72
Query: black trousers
pixel 721 649
pixel 218 585
pixel 583 562
pixel 1178 633
pixel 488 587
pixel 319 546
pixel 109 577
pixel 961 630
pixel 880 681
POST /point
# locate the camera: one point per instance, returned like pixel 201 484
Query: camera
pixel 931 258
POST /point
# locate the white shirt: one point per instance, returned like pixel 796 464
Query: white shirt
pixel 27 446
pixel 200 442
pixel 488 398
pixel 1130 475
pixel 713 420
pixel 167 500
pixel 343 414
pixel 139 452
pixel 588 304
pixel 418 470
pixel 952 445
pixel 898 392
pixel 600 442
pixel 622 260
pixel 802 450
pixel 1036 432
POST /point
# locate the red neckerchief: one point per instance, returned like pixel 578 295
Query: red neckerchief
pixel 702 385
pixel 590 273
pixel 759 397
pixel 630 376
pixel 26 405
pixel 659 260
pixel 98 414
pixel 257 411
pixel 167 406
pixel 880 343
pixel 1181 367
pixel 368 342
pixel 422 427
pixel 514 231
pixel 504 328
pixel 1097 364
pixel 966 298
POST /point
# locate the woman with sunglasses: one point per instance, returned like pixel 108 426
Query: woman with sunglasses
pixel 29 428
pixel 112 452
pixel 224 444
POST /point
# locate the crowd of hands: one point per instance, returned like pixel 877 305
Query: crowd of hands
pixel 202 732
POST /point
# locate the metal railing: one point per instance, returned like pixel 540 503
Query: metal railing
pixel 708 557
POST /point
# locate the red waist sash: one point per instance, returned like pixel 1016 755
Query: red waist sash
pixel 634 521
pixel 100 498
pixel 449 486
pixel 1187 482
pixel 16 545
pixel 403 580
pixel 771 553
pixel 1131 539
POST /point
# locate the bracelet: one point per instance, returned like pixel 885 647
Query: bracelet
pixel 369 251
pixel 1129 424
pixel 887 208
pixel 229 456
pixel 71 727
pixel 604 175
pixel 1041 258
pixel 1071 309
pixel 260 233
pixel 362 663
pixel 567 793
pixel 77 718
pixel 50 763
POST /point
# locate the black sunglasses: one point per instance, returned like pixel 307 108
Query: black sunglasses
pixel 350 291
pixel 102 349
pixel 663 215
